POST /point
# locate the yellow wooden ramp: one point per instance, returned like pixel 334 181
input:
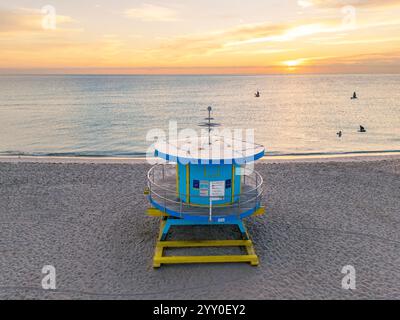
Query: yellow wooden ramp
pixel 160 258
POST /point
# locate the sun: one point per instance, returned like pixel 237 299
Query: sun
pixel 292 63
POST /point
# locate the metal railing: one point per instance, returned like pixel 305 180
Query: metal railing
pixel 163 191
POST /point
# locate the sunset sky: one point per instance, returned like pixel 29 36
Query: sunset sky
pixel 201 36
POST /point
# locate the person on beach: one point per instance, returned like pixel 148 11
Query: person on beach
pixel 362 129
pixel 339 134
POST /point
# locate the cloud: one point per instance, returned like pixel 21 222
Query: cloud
pixel 342 3
pixel 269 44
pixel 305 3
pixel 150 12
pixel 288 35
pixel 374 62
pixel 218 40
pixel 252 38
pixel 362 41
pixel 386 58
pixel 26 21
pixel 251 35
pixel 25 41
pixel 372 58
pixel 11 21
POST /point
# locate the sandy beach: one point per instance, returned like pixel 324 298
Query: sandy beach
pixel 88 220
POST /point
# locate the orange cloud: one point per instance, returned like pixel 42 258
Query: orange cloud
pixel 253 35
pixel 221 40
pixel 26 21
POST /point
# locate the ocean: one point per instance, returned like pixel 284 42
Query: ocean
pixel 100 115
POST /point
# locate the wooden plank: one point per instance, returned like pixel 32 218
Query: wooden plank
pixel 250 248
pixel 162 225
pixel 157 256
pixel 206 259
pixel 204 243
pixel 153 212
pixel 251 252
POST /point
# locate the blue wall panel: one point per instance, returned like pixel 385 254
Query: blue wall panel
pixel 200 177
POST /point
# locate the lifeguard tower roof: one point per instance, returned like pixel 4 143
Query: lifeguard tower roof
pixel 209 150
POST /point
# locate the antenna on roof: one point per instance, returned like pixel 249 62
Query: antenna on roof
pixel 209 124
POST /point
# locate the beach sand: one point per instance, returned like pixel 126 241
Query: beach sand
pixel 88 220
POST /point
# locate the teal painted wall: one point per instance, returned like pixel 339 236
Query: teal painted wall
pixel 207 173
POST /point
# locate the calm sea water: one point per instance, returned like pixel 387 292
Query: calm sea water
pixel 111 115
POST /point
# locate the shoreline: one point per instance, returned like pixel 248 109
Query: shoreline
pixel 353 157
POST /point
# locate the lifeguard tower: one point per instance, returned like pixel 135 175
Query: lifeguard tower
pixel 205 181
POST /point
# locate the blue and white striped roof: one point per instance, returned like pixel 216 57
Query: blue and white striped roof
pixel 198 150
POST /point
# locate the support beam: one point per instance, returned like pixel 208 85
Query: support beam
pixel 153 212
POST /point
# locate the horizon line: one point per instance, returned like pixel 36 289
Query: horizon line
pixel 198 74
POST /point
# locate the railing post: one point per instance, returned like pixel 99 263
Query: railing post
pixel 150 184
pixel 165 201
pixel 210 209
pixel 256 181
pixel 256 203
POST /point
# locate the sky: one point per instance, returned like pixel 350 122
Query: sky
pixel 200 36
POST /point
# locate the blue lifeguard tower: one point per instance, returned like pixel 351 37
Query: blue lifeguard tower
pixel 205 181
